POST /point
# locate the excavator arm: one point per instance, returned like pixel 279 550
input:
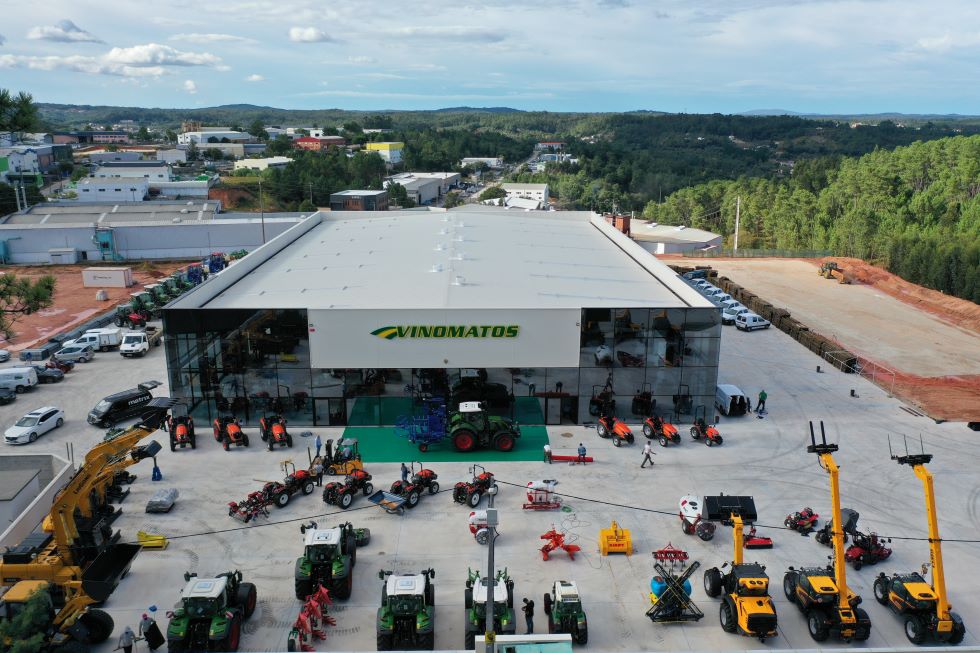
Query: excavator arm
pixel 935 543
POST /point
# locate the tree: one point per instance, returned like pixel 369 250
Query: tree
pixel 214 154
pixel 352 127
pixel 79 172
pixel 192 152
pixel 257 129
pixel 171 136
pixel 17 114
pixel 143 135
pixel 279 146
pixel 453 198
pixel 306 205
pixel 26 630
pixel 235 127
pixel 398 196
pixel 492 193
pixel 22 296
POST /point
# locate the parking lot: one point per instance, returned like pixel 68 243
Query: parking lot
pixel 765 458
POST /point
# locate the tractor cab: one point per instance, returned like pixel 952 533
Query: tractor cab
pixel 913 591
pixel 501 595
pixel 749 579
pixel 204 596
pixel 322 545
pixel 474 414
pixel 343 459
pixel 566 594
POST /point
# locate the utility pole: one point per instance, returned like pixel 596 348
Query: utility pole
pixel 489 635
pixel 738 210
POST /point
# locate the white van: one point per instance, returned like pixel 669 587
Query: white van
pixel 730 401
pixel 18 379
pixel 749 321
pixel 101 339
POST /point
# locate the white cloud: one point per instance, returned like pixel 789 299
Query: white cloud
pixel 64 31
pixel 154 54
pixel 190 86
pixel 361 60
pixel 948 42
pixel 204 39
pixel 450 33
pixel 79 64
pixel 308 35
pixel 255 78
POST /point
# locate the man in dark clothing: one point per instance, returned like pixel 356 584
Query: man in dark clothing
pixel 151 632
pixel 528 611
pixel 405 473
pixel 581 453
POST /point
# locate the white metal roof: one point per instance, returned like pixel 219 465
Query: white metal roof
pixel 663 233
pixel 208 588
pixel 464 258
pixel 480 591
pixel 327 536
pixel 405 585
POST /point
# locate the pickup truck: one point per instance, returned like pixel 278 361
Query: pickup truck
pixel 137 343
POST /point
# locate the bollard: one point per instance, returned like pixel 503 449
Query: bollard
pixel 819 370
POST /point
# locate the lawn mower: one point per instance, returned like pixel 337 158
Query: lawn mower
pixel 867 549
pixel 803 522
pixel 273 431
pixel 344 460
pixel 342 494
pixel 701 430
pixel 541 495
pixel 670 588
pixel 610 426
pixel 665 432
pixel 753 540
pixel 297 480
pixel 471 493
pixel 229 432
pixel 181 430
pixel 421 481
pixel 691 521
pixel 849 518
pixel 555 541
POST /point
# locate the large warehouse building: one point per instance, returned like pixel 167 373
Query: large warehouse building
pixel 348 317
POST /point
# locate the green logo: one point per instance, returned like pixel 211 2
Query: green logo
pixel 448 331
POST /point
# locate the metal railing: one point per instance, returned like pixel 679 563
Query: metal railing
pixel 759 253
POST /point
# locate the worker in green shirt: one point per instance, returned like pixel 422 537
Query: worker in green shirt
pixel 760 406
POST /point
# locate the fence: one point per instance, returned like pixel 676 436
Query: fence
pixel 759 253
pixel 880 375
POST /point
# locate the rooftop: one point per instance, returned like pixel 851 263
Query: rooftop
pixel 464 258
pixel 359 193
pixel 69 213
pixel 664 233
pixel 134 164
pixel 537 187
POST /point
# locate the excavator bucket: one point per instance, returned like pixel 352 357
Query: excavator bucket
pixel 615 540
pixel 105 572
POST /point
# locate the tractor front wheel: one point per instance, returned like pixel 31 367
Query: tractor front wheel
pixel 726 615
pixel 464 440
pixel 915 629
pixel 617 442
pixel 474 499
pixel 346 500
pixel 818 626
pixel 368 489
pixel 789 587
pixel 712 582
pixel 663 441
pixel 433 488
pixel 246 598
pixel 547 604
pixel 99 624
pixel 234 635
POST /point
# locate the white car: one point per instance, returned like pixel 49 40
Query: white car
pixel 731 313
pixel 749 321
pixel 34 424
pixel 4 355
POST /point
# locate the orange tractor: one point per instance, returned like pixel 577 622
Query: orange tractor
pixel 181 427
pixel 610 426
pixel 273 431
pixel 229 432
pixel 656 427
pixel 701 430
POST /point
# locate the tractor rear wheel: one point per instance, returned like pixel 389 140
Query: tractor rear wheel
pixel 881 590
pixel 504 442
pixel 345 500
pixel 789 587
pixel 384 641
pixel 245 598
pixel 468 598
pixel 582 635
pixel 342 587
pixel 464 440
pixel 99 624
pixel 863 630
pixel 959 631
pixel 281 499
pixel 308 487
pixel 601 430
pixel 303 588
pixel 915 629
pixel 469 640
pixel 427 642
pixel 816 622
pixel 712 582
pixel 547 604
pixel 474 499
pixel 726 615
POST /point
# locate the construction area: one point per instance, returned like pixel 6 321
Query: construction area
pixel 764 458
pixel 919 343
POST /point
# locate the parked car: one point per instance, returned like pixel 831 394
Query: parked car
pixel 749 321
pixel 4 355
pixel 7 396
pixel 729 315
pixel 122 405
pixel 721 299
pixel 712 291
pixel 76 353
pixel 34 424
pixel 48 374
pixel 701 284
pixel 18 379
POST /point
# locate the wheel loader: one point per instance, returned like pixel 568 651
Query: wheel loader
pixel 746 606
pixel 822 593
pixel 925 608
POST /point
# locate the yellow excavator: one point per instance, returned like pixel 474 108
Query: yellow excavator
pixel 80 561
pixel 746 606
pixel 924 607
pixel 821 593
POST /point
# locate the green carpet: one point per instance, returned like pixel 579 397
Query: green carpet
pixel 381 445
pixel 379 411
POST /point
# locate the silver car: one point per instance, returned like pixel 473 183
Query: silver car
pixel 76 353
pixel 34 424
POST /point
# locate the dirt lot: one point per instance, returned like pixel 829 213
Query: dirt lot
pixel 73 303
pixel 934 348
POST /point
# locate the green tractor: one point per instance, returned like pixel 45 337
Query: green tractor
pixel 127 317
pixel 171 287
pixel 475 602
pixel 181 281
pixel 563 606
pixel 407 616
pixel 158 292
pixel 471 428
pixel 144 303
pixel 210 614
pixel 328 559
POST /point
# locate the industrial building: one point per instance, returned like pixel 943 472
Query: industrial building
pixel 425 187
pixel 671 239
pixel 538 192
pixel 359 200
pixel 390 152
pixel 338 320
pixel 203 138
pixel 172 156
pixel 491 161
pixel 318 143
pixel 152 170
pixel 263 164
pixel 120 189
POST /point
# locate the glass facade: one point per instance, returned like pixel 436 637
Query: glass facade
pixel 255 362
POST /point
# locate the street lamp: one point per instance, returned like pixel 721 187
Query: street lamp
pixel 492 521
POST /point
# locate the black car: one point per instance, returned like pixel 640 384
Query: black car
pixel 495 395
pixel 48 374
pixel 122 405
pixel 7 396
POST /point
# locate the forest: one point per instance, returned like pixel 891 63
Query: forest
pixel 914 210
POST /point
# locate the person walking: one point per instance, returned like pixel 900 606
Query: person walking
pixel 528 611
pixel 318 443
pixel 318 470
pixel 647 452
pixel 760 406
pixel 126 640
pixel 404 473
pixel 581 453
pixel 150 631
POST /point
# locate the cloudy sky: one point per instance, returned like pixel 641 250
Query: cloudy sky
pixel 850 56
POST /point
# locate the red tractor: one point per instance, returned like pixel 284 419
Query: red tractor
pixel 297 480
pixel 342 494
pixel 803 522
pixel 610 426
pixel 229 432
pixel 867 549
pixel 181 430
pixel 420 482
pixel 471 493
pixel 701 430
pixel 272 428
pixel 656 427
